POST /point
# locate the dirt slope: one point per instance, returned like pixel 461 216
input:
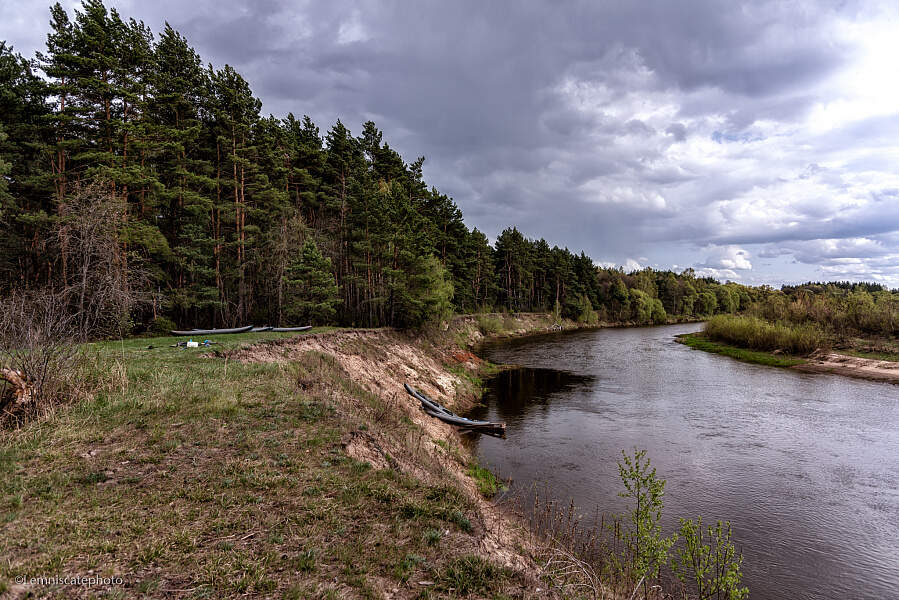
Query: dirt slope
pixel 381 361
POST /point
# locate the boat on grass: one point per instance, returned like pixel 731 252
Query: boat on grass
pixel 212 331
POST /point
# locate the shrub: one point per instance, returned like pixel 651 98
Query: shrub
pixel 40 361
pixel 162 326
pixel 646 548
pixel 709 561
pixel 757 334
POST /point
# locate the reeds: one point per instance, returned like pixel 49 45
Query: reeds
pixel 757 334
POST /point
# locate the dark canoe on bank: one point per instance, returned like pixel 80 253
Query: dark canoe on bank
pixel 212 331
pixel 438 411
pixel 288 329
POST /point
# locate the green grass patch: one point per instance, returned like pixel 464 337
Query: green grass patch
pixel 472 575
pixel 698 341
pixel 489 485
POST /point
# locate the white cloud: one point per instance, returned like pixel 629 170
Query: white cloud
pixel 720 274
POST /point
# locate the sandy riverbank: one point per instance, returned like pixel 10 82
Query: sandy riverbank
pixel 851 366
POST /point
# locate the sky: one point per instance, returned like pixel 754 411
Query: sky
pixel 753 141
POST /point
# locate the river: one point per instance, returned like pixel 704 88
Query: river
pixel 805 466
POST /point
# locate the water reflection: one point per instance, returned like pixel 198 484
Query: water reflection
pixel 803 465
pixel 519 391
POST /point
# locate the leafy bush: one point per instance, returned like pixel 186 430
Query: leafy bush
pixel 162 326
pixel 645 546
pixel 709 561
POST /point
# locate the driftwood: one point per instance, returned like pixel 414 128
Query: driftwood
pixel 23 389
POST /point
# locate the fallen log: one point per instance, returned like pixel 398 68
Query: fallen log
pixel 23 388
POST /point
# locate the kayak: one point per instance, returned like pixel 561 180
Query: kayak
pixel 287 329
pixel 212 331
pixel 426 402
pixel 438 411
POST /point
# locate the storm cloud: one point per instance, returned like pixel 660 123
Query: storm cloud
pixel 750 140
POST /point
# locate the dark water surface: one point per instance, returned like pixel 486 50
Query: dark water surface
pixel 805 466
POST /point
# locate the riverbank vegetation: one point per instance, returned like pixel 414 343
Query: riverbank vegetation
pixel 700 342
pixel 628 555
pixel 861 319
pixel 757 334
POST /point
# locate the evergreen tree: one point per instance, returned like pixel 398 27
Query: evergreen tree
pixel 313 295
pixel 216 201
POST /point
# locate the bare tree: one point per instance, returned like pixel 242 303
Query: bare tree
pixel 41 331
pixel 104 287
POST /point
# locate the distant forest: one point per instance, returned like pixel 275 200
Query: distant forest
pixel 115 136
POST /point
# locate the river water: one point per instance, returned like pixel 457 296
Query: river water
pixel 805 466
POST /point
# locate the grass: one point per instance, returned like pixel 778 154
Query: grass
pixel 489 485
pixel 194 476
pixel 472 575
pixel 887 356
pixel 490 324
pixel 754 333
pixel 699 341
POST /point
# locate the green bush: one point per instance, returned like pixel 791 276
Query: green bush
pixel 645 546
pixel 708 560
pixel 162 326
pixel 489 324
pixel 758 334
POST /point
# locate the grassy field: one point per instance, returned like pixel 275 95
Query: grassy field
pixel 700 342
pixel 198 477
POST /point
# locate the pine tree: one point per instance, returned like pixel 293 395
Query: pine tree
pixel 313 296
pixel 235 111
pixel 184 206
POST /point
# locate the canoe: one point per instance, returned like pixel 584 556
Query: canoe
pixel 466 423
pixel 212 331
pixel 287 329
pixel 426 402
pixel 258 329
pixel 438 411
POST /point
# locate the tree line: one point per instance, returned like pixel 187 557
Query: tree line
pixel 840 309
pixel 234 217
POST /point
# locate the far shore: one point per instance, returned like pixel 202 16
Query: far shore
pixel 818 362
